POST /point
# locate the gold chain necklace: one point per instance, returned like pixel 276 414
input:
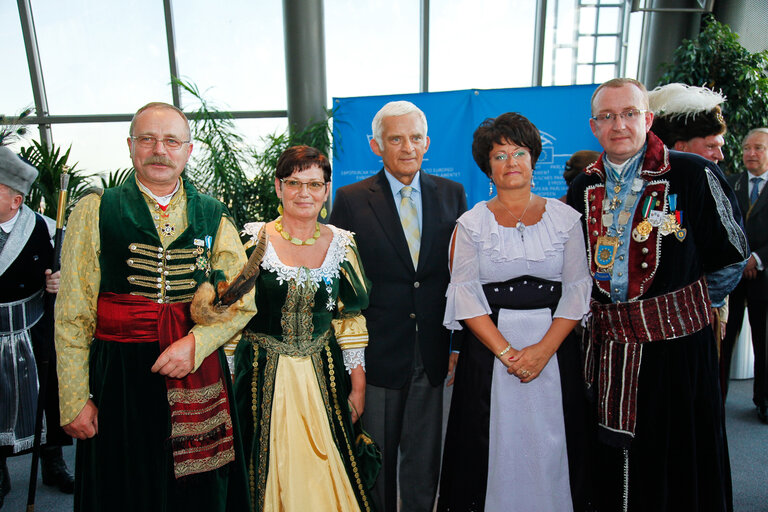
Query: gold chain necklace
pixel 520 226
pixel 296 241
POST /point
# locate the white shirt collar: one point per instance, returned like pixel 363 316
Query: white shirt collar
pixel 7 226
pixel 397 185
pixel 161 200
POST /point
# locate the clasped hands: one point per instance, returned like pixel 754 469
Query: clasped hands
pixel 526 364
pixel 176 362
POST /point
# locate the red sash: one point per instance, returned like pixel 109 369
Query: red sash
pixel 201 426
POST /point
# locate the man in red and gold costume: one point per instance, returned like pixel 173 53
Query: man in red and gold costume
pixel 144 389
pixel 655 222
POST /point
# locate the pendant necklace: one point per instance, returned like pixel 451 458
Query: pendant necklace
pixel 519 226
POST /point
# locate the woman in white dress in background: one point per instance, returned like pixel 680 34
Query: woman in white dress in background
pixel 519 283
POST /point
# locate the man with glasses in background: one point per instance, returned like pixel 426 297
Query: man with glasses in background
pixel 689 118
pixel 752 291
pixel 146 391
pixel 654 222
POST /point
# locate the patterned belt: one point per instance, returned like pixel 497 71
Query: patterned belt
pixel 618 332
pixel 22 314
pixel 301 347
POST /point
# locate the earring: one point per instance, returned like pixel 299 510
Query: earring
pixel 490 187
pixel 533 183
pixel 323 212
pixel 280 208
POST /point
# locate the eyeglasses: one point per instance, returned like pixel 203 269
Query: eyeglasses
pixel 296 185
pixel 148 141
pixel 503 157
pixel 627 115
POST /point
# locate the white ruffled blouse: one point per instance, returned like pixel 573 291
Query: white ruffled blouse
pixel 486 252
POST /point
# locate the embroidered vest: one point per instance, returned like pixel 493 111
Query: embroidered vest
pixel 133 259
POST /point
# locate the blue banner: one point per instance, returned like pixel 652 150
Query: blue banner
pixel 560 113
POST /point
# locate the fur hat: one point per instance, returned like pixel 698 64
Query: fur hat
pixel 683 112
pixel 14 172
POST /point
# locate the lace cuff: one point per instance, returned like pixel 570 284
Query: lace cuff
pixel 353 357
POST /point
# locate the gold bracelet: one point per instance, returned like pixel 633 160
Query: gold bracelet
pixel 504 351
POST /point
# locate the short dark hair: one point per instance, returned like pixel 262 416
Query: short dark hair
pixel 301 158
pixel 684 127
pixel 510 127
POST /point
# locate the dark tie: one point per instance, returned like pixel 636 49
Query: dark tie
pixel 755 190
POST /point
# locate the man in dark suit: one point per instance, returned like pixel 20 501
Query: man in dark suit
pixel 752 291
pixel 403 218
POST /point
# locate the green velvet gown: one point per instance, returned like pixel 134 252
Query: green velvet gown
pixel 303 315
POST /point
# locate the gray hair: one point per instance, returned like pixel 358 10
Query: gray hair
pixel 395 108
pixel 159 104
pixel 754 131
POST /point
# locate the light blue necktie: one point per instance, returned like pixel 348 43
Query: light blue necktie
pixel 755 190
pixel 410 221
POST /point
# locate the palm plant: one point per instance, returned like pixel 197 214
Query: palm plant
pixel 222 166
pixel 115 178
pixel 51 164
pixel 13 129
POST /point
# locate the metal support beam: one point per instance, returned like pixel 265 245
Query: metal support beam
pixel 170 35
pixel 35 69
pixel 538 43
pixel 668 24
pixel 121 118
pixel 424 47
pixel 303 23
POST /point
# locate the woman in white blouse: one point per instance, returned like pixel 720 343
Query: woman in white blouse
pixel 519 283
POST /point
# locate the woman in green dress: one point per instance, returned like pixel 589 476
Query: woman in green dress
pixel 300 367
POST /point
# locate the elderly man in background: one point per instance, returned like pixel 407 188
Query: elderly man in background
pixel 689 118
pixel 145 390
pixel 403 218
pixel 26 334
pixel 653 226
pixel 752 291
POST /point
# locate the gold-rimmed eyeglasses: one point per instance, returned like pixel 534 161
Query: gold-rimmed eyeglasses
pixel 149 141
pixel 296 185
pixel 610 117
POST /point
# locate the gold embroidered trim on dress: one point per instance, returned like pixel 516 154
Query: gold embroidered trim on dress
pixel 254 414
pixel 340 418
pixel 266 421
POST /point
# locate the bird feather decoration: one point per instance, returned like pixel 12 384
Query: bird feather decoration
pixel 683 100
pixel 205 310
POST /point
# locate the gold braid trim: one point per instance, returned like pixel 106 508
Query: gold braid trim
pixel 195 396
pixel 285 347
pixel 340 418
pixel 214 405
pixel 254 414
pixel 193 466
pixel 268 391
pixel 198 428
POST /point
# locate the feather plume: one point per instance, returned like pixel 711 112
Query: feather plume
pixel 203 309
pixel 683 100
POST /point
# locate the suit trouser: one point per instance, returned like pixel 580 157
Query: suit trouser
pixel 409 418
pixel 757 311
